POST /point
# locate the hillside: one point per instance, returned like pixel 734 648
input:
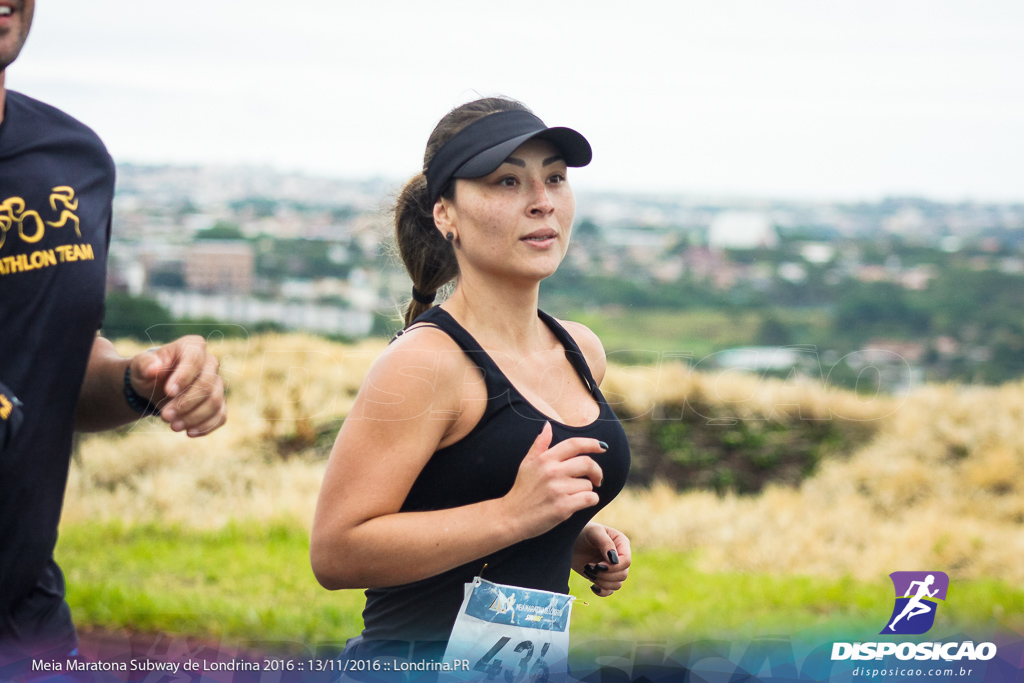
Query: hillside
pixel 835 484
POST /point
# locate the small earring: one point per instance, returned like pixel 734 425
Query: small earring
pixel 450 236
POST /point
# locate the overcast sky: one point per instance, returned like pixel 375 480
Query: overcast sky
pixel 792 99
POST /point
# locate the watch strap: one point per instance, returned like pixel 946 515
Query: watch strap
pixel 138 403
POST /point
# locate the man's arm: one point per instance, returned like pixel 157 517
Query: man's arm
pixel 180 378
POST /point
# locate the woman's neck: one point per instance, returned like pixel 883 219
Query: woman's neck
pixel 502 316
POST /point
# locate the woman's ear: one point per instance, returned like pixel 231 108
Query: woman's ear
pixel 445 217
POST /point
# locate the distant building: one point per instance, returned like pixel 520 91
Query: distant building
pixel 817 252
pixel 991 245
pixel 643 245
pixel 908 221
pixel 950 244
pixel 872 273
pixel 220 266
pixel 946 346
pixel 918 277
pixel 793 272
pixel 895 363
pixel 1011 265
pixel 880 350
pixel 759 358
pixel 668 270
pixel 742 230
pixel 703 264
pixel 244 310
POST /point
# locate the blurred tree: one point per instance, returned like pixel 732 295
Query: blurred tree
pixel 222 230
pixel 258 207
pixel 773 332
pixel 865 309
pixel 129 316
pixel 587 230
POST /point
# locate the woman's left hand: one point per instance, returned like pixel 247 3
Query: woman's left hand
pixel 602 555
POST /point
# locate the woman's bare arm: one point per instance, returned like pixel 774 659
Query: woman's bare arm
pixel 404 409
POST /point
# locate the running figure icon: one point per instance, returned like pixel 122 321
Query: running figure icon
pixel 915 605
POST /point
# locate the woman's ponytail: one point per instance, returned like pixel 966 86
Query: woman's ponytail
pixel 428 257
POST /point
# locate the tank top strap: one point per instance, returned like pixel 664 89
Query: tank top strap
pixel 573 353
pixel 497 383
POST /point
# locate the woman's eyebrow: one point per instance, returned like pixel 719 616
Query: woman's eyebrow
pixel 519 162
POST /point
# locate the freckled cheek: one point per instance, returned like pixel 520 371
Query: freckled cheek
pixel 495 224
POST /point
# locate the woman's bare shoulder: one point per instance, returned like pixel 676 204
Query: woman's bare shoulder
pixel 591 346
pixel 421 367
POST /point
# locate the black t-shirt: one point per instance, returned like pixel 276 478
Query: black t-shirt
pixel 56 188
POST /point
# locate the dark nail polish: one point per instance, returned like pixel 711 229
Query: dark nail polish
pixel 613 557
pixel 603 445
pixel 601 567
pixel 597 591
pixel 590 567
pixel 590 575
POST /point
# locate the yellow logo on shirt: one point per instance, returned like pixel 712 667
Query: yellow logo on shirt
pixel 31 228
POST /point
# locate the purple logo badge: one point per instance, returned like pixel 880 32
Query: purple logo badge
pixel 917 594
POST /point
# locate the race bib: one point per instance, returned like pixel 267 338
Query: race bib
pixel 515 635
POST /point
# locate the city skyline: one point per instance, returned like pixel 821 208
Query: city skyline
pixel 792 100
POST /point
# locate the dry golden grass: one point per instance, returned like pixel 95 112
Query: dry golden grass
pixel 640 390
pixel 262 465
pixel 939 487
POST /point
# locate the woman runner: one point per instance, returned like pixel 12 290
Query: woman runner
pixel 480 436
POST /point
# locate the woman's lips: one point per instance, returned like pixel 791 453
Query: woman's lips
pixel 539 241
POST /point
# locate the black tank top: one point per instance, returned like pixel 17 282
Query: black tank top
pixel 482 466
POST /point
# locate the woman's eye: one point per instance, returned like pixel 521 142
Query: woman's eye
pixel 557 178
pixel 508 182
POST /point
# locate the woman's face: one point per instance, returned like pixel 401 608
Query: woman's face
pixel 516 221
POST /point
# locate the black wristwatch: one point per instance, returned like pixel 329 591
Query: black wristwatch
pixel 138 403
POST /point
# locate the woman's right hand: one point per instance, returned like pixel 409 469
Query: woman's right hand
pixel 553 483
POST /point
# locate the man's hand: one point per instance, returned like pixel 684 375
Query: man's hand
pixel 181 379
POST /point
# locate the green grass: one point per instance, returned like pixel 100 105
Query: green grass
pixel 245 582
pixel 632 335
pixel 254 583
pixel 666 597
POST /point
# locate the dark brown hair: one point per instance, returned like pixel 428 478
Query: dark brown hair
pixel 428 257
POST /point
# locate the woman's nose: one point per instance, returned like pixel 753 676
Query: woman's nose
pixel 540 202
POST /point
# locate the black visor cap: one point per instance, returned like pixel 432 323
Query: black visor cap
pixel 482 146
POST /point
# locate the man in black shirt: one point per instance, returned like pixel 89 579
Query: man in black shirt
pixel 56 374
